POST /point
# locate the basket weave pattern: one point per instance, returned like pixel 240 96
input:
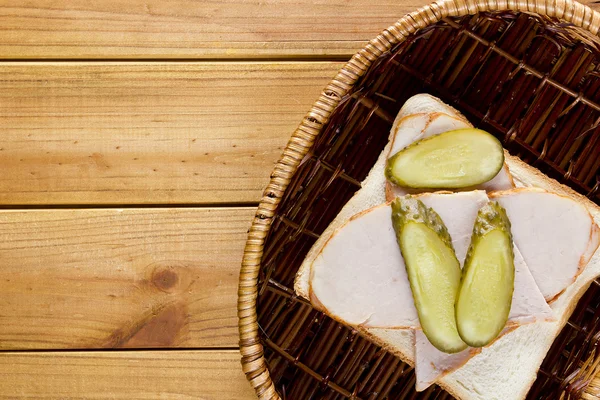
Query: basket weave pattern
pixel 527 72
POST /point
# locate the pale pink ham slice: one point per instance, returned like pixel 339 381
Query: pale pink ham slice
pixel 359 276
pixel 420 126
pixel 556 235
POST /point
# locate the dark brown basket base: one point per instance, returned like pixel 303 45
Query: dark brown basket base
pixel 535 83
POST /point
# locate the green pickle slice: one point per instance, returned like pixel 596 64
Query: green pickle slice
pixel 433 270
pixel 451 160
pixel 486 290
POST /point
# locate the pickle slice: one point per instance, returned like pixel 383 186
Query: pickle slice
pixel 486 290
pixel 433 270
pixel 451 160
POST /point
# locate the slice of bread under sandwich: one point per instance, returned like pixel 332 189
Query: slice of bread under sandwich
pixel 507 368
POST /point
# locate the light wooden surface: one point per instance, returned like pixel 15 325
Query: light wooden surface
pixel 171 113
pixel 113 278
pixel 148 132
pixel 192 29
pixel 127 375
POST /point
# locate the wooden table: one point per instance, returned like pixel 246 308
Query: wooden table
pixel 136 137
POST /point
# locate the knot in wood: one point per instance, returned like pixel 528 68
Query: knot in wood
pixel 170 276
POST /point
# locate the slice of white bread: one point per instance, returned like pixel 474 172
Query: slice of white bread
pixel 506 369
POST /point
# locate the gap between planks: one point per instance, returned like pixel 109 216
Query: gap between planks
pixel 273 59
pixel 4 207
pixel 117 350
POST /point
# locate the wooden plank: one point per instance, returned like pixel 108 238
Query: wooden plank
pixel 148 133
pixel 209 375
pixel 194 29
pixel 105 278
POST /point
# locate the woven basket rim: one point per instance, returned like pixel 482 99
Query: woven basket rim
pixel 253 362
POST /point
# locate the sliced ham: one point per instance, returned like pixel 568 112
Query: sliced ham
pixel 420 126
pixel 424 103
pixel 359 277
pixel 458 211
pixel 502 181
pixel 556 235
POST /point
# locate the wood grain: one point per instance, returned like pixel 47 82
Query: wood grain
pixel 148 133
pixel 207 375
pixel 192 29
pixel 120 278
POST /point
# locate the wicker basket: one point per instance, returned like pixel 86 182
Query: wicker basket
pixel 529 72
